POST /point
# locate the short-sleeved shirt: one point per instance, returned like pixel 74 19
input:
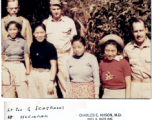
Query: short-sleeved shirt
pixel 139 59
pixel 14 50
pixel 113 73
pixel 26 30
pixel 60 33
pixel 42 53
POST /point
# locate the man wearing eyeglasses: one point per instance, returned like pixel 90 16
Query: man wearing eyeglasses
pixel 13 9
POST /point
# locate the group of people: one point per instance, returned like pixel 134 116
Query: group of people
pixel 32 65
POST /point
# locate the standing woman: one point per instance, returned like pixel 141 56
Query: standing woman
pixel 82 72
pixel 115 71
pixel 14 53
pixel 44 62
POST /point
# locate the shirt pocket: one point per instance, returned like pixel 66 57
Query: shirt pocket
pixel 148 60
pixel 133 55
pixel 66 32
pixel 148 64
pixel 49 31
pixel 49 34
pixel 133 61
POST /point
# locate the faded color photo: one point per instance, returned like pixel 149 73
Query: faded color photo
pixel 95 49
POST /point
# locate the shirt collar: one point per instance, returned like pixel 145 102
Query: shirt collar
pixel 118 57
pixel 146 44
pixel 61 19
pixel 11 16
pixel 16 39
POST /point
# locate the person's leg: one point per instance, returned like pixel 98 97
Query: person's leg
pixel 109 93
pixel 119 93
pixel 7 91
pixel 146 90
pixel 81 90
pixel 136 89
pixel 34 88
pixel 62 83
pixel 86 90
pixel 22 90
pixel 105 94
pixel 20 78
pixel 45 79
pixel 62 58
pixel 74 90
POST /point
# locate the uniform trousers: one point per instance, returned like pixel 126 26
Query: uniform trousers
pixel 38 84
pixel 111 93
pixel 140 90
pixel 62 59
pixel 14 74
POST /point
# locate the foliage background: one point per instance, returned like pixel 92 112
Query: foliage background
pixel 94 18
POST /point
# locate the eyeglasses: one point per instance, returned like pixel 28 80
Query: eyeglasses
pixel 11 8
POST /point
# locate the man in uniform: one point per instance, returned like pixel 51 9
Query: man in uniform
pixel 60 31
pixel 138 54
pixel 13 9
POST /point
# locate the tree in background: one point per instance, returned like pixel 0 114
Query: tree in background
pixel 94 18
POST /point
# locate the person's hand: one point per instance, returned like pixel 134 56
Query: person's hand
pixel 97 96
pixel 27 82
pixel 27 79
pixel 3 67
pixel 50 88
pixel 102 86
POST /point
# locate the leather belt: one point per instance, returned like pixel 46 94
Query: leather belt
pixel 142 80
pixel 41 69
pixel 63 51
pixel 16 62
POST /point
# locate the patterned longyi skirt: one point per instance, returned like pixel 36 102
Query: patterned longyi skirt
pixel 81 90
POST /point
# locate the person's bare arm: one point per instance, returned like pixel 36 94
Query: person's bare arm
pixel 128 86
pixel 53 72
pixel 29 37
pixel 3 60
pixel 27 63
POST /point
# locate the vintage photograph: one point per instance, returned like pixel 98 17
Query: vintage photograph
pixel 43 110
pixel 95 49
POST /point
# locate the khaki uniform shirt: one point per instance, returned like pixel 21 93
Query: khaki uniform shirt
pixel 26 30
pixel 139 59
pixel 60 33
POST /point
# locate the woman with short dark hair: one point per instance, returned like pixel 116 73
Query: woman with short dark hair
pixel 43 56
pixel 14 54
pixel 82 72
pixel 115 71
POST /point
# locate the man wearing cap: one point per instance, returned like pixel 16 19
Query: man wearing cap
pixel 138 54
pixel 60 31
pixel 12 9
